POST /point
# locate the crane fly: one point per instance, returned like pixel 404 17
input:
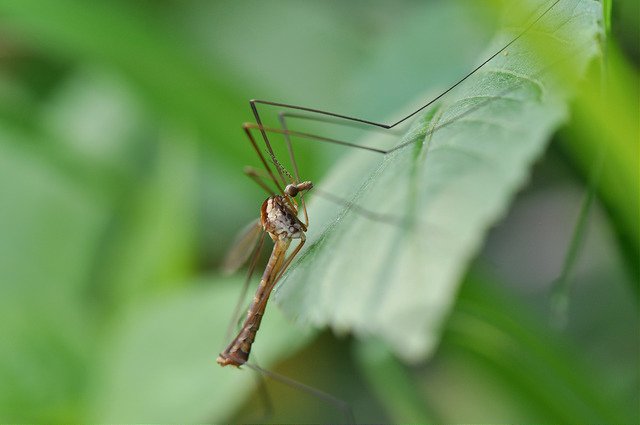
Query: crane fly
pixel 279 214
pixel 284 215
pixel 278 218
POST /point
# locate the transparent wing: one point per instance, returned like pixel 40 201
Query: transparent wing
pixel 242 247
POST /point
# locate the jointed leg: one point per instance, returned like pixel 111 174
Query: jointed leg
pixel 340 117
pixel 364 212
pixel 339 404
pixel 254 102
pixel 238 309
pixel 247 129
pixel 332 120
pixel 260 177
pixel 289 259
pixel 292 158
pixel 264 395
pixel 248 126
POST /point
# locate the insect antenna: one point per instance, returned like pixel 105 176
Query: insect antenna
pixel 281 168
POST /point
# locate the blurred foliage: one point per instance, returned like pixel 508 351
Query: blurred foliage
pixel 121 187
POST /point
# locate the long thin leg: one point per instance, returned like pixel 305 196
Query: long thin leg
pixel 450 121
pixel 333 120
pixel 248 126
pixel 360 210
pixel 294 163
pixel 260 178
pixel 254 102
pixel 334 117
pixel 287 139
pixel 340 404
pixel 282 118
pixel 499 95
pixel 289 259
pixel 247 131
pixel 364 212
pixel 264 395
pixel 238 309
pixel 309 136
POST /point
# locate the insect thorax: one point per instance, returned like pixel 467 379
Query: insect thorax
pixel 280 220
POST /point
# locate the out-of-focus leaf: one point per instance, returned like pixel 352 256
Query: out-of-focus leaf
pixel 119 35
pixel 153 239
pixel 417 56
pixel 159 365
pixel 446 187
pixel 50 231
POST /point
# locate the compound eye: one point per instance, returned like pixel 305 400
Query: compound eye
pixel 291 190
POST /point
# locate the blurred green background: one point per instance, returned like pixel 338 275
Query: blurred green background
pixel 121 187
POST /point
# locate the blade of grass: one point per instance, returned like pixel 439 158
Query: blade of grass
pixel 611 119
pixel 497 331
pixel 392 384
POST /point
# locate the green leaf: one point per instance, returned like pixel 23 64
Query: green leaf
pixel 446 188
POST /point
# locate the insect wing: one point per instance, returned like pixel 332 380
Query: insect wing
pixel 242 247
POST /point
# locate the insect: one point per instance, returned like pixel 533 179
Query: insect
pixel 279 212
pixel 281 216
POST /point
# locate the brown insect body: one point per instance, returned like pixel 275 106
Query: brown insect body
pixel 279 218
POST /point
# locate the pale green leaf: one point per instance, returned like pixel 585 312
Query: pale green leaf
pixel 445 188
